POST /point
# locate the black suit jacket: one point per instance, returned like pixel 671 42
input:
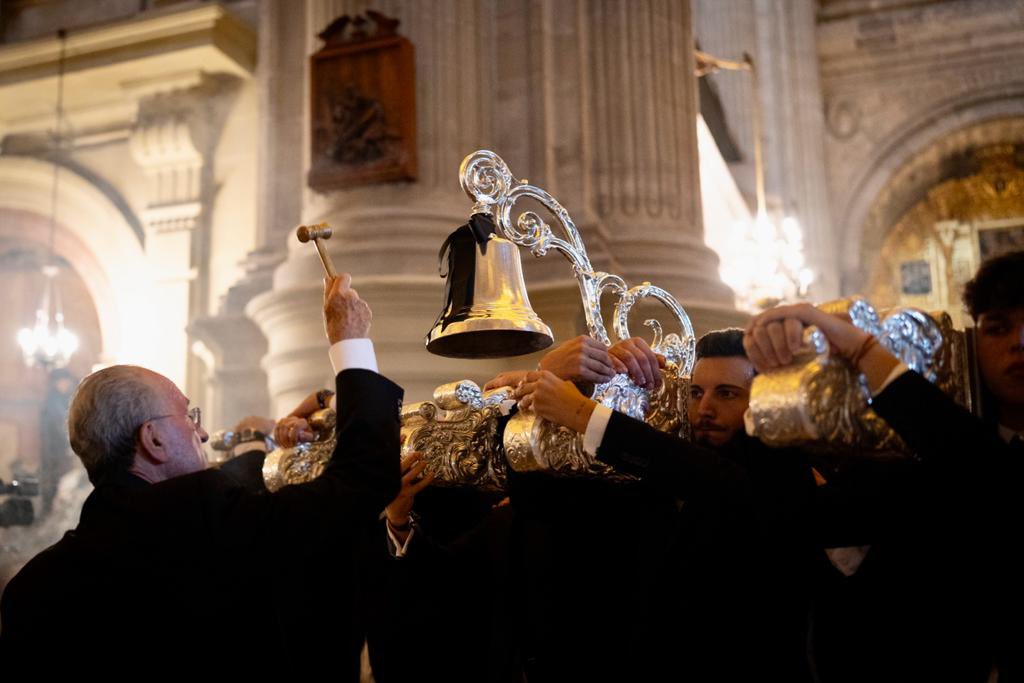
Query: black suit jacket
pixel 937 597
pixel 592 580
pixel 733 594
pixel 442 612
pixel 326 621
pixel 556 585
pixel 190 568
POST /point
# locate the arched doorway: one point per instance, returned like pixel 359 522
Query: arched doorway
pixel 906 163
pixel 99 237
pixel 945 210
pixel 106 290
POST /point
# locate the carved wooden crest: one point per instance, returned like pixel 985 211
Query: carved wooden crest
pixel 363 104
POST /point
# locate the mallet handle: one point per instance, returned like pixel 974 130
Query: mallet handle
pixel 315 233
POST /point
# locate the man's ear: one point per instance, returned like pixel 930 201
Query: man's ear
pixel 151 446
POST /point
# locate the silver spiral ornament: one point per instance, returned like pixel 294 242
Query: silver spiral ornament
pixel 486 178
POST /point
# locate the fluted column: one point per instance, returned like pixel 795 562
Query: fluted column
pixel 281 77
pixel 642 148
pixel 229 343
pixel 171 141
pixel 388 235
pixel 794 107
pixel 593 100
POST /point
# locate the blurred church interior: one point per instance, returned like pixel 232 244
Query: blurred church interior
pixel 156 157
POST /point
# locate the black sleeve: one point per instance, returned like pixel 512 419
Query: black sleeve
pixel 438 591
pixel 362 477
pixel 859 506
pixel 246 469
pixel 947 438
pixel 934 426
pixel 668 463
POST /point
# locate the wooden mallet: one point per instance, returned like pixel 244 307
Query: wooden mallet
pixel 315 233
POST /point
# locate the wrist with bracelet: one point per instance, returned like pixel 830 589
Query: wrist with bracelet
pixel 865 346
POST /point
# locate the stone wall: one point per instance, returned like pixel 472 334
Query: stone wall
pixel 592 102
pixel 898 80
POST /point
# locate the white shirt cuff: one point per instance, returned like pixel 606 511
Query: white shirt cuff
pixel 249 446
pixel 349 354
pixel 398 550
pixel 896 372
pixel 594 435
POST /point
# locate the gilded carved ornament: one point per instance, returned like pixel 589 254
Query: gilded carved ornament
pixel 938 244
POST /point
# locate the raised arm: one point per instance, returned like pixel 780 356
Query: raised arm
pixel 664 461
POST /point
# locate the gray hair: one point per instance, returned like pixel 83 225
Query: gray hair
pixel 105 414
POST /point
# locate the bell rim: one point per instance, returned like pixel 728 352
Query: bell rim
pixel 536 334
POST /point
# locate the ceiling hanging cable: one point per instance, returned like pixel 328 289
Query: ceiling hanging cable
pixel 48 343
pixel 62 36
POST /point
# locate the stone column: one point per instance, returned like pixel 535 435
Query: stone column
pixel 388 235
pixel 234 345
pixel 594 101
pixel 727 29
pixel 281 79
pixel 795 168
pixel 641 116
pixel 171 143
pixel 600 109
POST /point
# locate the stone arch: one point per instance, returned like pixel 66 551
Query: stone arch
pixel 912 159
pixel 100 242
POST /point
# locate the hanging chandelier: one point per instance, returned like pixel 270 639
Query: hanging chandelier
pixel 48 343
pixel 764 264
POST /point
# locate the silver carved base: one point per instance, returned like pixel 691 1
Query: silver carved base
pixel 306 461
pixel 459 430
pixel 458 434
pixel 819 400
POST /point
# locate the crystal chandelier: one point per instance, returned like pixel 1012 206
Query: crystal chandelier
pixel 48 344
pixel 765 264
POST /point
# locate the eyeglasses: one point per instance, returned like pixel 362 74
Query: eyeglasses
pixel 195 415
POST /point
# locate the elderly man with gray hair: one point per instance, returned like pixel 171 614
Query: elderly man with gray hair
pixel 172 561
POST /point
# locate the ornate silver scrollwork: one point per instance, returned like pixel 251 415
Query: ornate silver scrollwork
pixel 305 461
pixel 912 335
pixel 487 180
pixel 532 443
pixel 458 434
pixel 458 430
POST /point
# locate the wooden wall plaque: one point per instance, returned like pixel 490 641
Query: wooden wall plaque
pixel 363 104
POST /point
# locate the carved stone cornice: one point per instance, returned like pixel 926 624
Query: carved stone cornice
pixel 101 61
pixel 206 26
pixel 888 42
pixel 172 141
